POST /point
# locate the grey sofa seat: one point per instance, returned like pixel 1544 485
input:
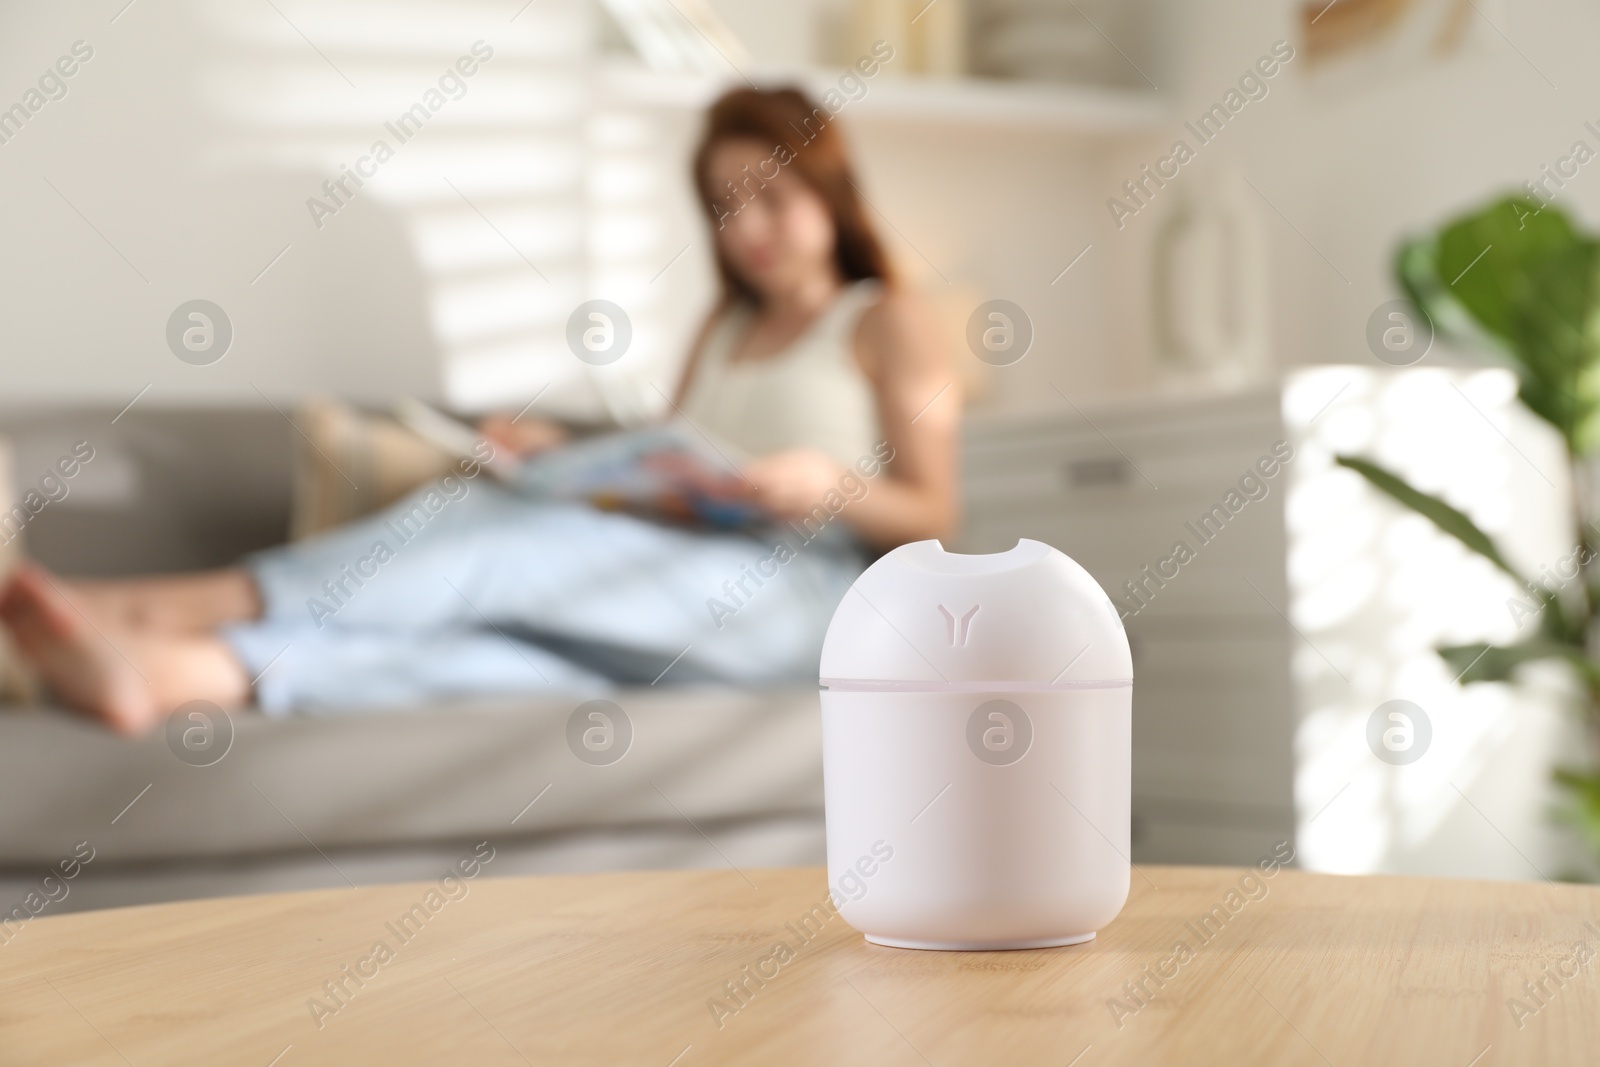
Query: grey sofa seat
pixel 711 777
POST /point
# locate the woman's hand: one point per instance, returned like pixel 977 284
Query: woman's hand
pixel 790 484
pixel 522 437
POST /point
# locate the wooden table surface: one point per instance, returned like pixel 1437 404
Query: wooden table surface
pixel 631 969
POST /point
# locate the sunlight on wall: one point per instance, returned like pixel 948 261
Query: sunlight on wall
pixel 1375 589
pixel 523 195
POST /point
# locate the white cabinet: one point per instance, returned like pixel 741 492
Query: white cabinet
pixel 1118 491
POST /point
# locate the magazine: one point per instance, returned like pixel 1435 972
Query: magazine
pixel 670 471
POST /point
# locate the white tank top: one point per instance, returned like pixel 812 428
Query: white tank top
pixel 811 394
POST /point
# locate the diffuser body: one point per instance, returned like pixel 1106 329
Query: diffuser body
pixel 977 750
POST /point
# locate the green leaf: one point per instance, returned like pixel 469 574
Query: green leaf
pixel 1497 663
pixel 1488 260
pixel 1518 276
pixel 1584 809
pixel 1445 517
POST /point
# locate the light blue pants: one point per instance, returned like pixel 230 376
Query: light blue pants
pixel 489 592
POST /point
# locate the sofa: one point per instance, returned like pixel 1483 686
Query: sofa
pixel 711 777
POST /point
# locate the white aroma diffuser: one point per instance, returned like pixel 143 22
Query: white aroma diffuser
pixel 976 737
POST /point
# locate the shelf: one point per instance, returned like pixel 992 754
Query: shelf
pixel 992 103
pixel 971 103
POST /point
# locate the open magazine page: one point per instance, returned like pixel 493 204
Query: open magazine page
pixel 671 471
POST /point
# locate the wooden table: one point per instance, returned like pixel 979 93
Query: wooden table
pixel 630 968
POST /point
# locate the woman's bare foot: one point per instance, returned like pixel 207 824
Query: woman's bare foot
pixel 78 663
pixel 180 603
pixel 129 679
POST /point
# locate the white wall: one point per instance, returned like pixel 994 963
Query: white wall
pixel 133 148
pixel 1356 165
pixel 189 145
pixel 157 145
pixel 195 135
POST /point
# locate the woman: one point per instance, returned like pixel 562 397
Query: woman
pixel 814 361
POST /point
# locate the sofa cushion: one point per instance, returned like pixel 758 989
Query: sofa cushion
pixel 349 464
pixel 167 490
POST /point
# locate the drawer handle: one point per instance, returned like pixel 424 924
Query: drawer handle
pixel 1092 473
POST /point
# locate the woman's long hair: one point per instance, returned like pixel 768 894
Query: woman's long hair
pixel 804 141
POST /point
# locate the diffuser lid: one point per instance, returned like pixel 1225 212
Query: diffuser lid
pixel 1026 619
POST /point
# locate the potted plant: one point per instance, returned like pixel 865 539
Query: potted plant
pixel 1519 279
